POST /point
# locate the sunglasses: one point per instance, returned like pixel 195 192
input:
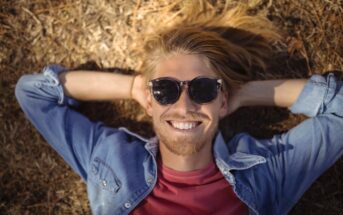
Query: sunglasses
pixel 201 90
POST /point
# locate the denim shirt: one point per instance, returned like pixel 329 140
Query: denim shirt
pixel 119 167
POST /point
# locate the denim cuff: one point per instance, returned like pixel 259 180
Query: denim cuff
pixel 317 93
pixel 52 71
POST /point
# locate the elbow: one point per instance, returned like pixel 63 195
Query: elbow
pixel 23 87
pixel 20 88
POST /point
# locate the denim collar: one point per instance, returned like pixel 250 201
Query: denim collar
pixel 237 160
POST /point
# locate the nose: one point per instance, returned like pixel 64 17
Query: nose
pixel 184 104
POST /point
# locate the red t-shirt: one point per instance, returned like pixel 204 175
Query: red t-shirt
pixel 203 191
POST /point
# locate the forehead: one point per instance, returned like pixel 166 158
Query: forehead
pixel 183 67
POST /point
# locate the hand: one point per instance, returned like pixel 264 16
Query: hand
pixel 138 90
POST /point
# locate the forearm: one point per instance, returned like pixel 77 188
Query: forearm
pixel 95 86
pixel 280 93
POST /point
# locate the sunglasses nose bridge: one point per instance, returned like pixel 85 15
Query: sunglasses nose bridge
pixel 183 84
pixel 184 102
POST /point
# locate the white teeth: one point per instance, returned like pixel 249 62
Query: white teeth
pixel 183 125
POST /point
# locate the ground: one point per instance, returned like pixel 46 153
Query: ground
pixel 103 34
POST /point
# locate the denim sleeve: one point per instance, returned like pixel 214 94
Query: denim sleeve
pixel 71 134
pixel 303 153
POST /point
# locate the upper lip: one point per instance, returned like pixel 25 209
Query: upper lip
pixel 174 120
pixel 184 121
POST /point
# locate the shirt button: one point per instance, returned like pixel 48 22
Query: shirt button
pixel 127 205
pixel 150 180
pixel 104 183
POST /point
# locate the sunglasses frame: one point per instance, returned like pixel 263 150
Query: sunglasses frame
pixel 180 86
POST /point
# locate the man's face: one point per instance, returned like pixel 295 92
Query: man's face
pixel 185 127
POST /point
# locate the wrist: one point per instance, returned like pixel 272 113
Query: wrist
pixel 132 87
pixel 136 87
pixel 243 95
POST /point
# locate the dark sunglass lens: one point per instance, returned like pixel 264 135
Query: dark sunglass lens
pixel 203 90
pixel 165 91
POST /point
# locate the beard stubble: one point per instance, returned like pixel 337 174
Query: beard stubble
pixel 184 145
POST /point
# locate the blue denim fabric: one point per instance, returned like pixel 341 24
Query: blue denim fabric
pixel 119 167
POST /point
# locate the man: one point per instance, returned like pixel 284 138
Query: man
pixel 194 79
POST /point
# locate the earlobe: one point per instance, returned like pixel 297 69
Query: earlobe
pixel 224 105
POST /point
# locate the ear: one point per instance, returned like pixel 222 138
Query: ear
pixel 224 105
pixel 149 102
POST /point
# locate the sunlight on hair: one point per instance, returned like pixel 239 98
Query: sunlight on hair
pixel 234 43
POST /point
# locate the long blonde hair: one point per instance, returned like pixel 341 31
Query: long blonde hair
pixel 234 44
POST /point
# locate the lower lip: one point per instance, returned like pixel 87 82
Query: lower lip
pixel 184 130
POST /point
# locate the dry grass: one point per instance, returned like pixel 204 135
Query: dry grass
pixel 34 180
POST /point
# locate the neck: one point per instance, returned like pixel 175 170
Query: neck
pixel 186 163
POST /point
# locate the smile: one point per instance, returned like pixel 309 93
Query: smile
pixel 184 125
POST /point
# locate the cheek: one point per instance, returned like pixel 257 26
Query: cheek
pixel 156 111
pixel 211 110
pixel 214 113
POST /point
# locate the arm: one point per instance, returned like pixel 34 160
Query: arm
pixel 90 85
pixel 296 158
pixel 281 93
pixel 43 99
